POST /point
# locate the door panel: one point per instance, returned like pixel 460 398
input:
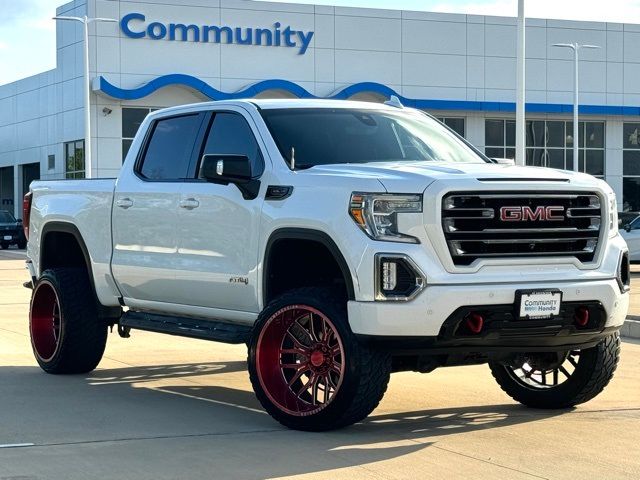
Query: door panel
pixel 145 240
pixel 145 212
pixel 218 257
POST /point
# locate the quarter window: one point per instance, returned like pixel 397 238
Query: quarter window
pixel 230 134
pixel 169 150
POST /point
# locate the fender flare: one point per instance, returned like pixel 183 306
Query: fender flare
pixel 70 228
pixel 312 235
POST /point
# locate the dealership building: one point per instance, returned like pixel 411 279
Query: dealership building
pixel 460 68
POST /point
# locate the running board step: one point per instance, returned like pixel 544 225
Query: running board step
pixel 186 327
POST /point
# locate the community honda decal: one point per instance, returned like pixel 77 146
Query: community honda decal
pixel 134 25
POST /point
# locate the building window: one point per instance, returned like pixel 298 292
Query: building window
pixel 51 162
pixel 631 167
pixel 549 143
pixel 500 138
pixel 74 159
pixel 132 118
pixel 454 123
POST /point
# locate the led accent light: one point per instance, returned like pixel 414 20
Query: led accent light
pixel 389 276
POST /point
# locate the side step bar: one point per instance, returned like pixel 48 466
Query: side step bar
pixel 186 327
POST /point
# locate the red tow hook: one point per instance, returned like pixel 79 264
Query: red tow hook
pixel 581 316
pixel 474 322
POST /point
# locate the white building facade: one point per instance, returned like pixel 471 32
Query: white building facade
pixel 461 68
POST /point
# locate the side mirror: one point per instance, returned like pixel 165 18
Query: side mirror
pixel 627 227
pixel 226 169
pixel 19 221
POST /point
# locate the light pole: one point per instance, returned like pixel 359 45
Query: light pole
pixel 576 48
pixel 520 91
pixel 87 87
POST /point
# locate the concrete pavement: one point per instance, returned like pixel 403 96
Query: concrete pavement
pixel 161 407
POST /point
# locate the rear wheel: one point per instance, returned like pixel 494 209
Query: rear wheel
pixel 22 244
pixel 66 334
pixel 559 380
pixel 4 246
pixel 307 368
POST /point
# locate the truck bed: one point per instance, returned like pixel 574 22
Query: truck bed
pixel 84 207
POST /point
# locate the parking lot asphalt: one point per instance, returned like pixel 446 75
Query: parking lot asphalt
pixel 161 407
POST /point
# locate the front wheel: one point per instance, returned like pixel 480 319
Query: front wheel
pixel 541 381
pixel 307 368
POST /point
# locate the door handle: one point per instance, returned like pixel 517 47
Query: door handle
pixel 189 203
pixel 124 203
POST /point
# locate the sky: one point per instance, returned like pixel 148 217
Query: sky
pixel 27 33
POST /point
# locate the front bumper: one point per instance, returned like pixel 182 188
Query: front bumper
pixel 425 315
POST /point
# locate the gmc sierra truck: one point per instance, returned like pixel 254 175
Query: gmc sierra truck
pixel 341 241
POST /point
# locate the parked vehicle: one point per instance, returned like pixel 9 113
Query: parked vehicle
pixel 631 233
pixel 11 231
pixel 625 218
pixel 342 241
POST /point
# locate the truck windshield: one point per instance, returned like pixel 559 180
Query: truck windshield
pixel 6 217
pixel 321 136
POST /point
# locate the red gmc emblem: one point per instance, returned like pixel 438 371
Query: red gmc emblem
pixel 527 214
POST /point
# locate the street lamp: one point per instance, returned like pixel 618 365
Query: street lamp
pixel 575 47
pixel 87 103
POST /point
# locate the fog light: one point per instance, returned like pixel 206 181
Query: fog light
pixel 624 273
pixel 397 277
pixel 389 276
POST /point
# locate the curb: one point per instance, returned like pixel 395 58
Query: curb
pixel 631 327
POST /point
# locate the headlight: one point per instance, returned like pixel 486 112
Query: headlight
pixel 613 215
pixel 377 214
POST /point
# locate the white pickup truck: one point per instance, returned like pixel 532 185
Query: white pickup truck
pixel 341 241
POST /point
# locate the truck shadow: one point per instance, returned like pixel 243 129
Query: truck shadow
pixel 213 418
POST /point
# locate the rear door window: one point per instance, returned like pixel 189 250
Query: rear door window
pixel 170 148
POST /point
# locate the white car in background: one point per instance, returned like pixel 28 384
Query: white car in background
pixel 631 233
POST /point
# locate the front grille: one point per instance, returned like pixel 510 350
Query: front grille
pixel 514 224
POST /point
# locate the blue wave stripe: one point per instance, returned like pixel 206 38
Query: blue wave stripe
pixel 208 91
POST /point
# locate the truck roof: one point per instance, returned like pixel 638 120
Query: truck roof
pixel 267 104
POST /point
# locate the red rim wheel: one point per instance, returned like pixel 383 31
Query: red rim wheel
pixel 45 321
pixel 300 360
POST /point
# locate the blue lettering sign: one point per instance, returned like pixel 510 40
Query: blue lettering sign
pixel 133 25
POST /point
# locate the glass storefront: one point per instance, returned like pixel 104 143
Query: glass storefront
pixel 549 143
pixel 631 167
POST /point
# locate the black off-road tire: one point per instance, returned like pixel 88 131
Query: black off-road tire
pixel 4 246
pixel 82 336
pixel 594 371
pixel 22 244
pixel 366 374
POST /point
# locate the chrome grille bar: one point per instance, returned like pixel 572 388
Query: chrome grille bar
pixel 515 224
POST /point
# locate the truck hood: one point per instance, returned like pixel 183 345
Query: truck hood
pixel 415 177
